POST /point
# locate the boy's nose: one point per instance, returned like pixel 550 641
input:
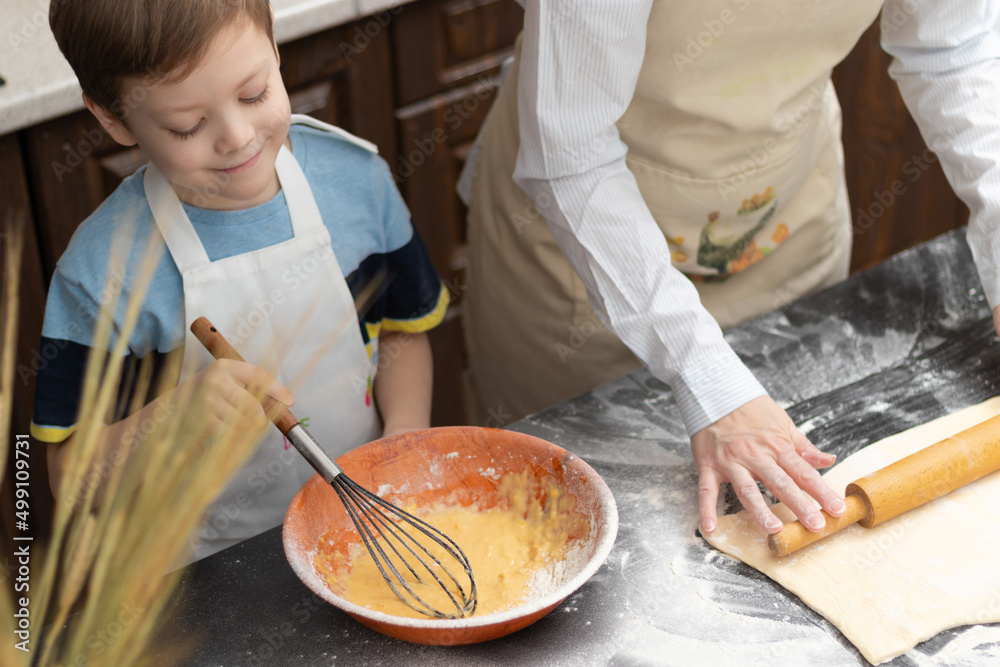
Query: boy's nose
pixel 236 135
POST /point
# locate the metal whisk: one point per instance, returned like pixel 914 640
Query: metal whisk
pixel 376 520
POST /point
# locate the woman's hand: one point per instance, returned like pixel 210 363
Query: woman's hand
pixel 759 443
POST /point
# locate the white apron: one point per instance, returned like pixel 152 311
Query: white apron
pixel 287 309
pixel 733 137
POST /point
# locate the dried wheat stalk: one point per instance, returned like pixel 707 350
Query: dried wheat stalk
pixel 112 560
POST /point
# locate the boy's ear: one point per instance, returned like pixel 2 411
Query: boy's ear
pixel 110 122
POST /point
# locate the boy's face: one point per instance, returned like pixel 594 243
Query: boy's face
pixel 215 134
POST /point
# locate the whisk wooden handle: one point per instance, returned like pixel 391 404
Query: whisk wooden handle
pixel 220 348
pixel 287 423
pixel 910 482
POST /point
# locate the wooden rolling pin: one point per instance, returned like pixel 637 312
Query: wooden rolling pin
pixel 910 482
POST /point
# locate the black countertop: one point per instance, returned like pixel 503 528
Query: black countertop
pixel 891 348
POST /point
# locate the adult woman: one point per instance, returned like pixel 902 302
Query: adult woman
pixel 685 157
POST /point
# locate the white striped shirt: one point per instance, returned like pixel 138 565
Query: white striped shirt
pixel 579 65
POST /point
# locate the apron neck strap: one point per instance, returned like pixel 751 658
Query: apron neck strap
pixel 299 198
pixel 175 227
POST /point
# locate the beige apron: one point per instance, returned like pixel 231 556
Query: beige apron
pixel 279 321
pixel 734 140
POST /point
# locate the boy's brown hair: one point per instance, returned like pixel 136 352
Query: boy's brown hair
pixel 106 41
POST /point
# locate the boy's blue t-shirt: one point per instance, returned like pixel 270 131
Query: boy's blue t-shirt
pixel 370 232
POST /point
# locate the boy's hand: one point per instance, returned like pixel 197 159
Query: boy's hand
pixel 228 391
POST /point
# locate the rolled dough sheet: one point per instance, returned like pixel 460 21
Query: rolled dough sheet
pixel 890 587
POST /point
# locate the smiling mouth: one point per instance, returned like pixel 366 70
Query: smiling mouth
pixel 244 165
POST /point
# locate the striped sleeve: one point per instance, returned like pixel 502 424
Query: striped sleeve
pixel 946 61
pixel 578 73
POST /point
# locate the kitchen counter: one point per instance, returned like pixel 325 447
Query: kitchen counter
pixel 41 85
pixel 893 347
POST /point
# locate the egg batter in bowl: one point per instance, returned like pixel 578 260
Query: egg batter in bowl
pixel 516 549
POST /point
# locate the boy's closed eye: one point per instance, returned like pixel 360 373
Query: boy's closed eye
pixel 186 134
pixel 193 130
pixel 258 98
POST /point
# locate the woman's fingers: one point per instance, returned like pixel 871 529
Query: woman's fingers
pixel 753 502
pixel 708 497
pixel 811 454
pixel 803 471
pixel 794 485
pixel 760 442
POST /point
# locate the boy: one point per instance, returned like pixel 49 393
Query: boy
pixel 271 232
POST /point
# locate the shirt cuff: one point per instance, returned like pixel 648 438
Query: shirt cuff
pixel 424 322
pixel 51 434
pixel 710 391
pixel 991 283
pixel 986 254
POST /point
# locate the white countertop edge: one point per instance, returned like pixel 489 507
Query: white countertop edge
pixel 49 101
pixel 298 18
pixel 27 101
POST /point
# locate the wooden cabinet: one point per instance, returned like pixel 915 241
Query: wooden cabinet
pixel 447 56
pixel 442 45
pixel 899 195
pixel 347 87
pixel 16 222
pixel 73 165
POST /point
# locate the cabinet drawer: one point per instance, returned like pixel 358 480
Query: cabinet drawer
pixel 435 138
pixel 73 165
pixel 16 221
pixel 443 44
pixel 342 76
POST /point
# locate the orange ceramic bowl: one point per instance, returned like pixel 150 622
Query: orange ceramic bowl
pixel 460 463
